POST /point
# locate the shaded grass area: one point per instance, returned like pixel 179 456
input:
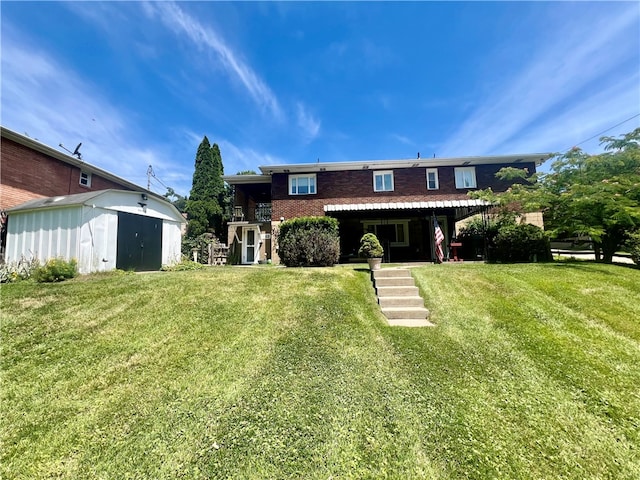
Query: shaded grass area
pixel 532 372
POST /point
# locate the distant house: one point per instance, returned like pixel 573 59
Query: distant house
pixel 45 185
pixel 395 199
pixel 102 230
pixel 30 169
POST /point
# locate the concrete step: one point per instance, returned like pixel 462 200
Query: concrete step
pixel 391 272
pixel 394 282
pixel 394 313
pixel 396 291
pixel 410 322
pixel 407 301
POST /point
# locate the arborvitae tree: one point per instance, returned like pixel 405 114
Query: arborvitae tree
pixel 203 207
pixel 218 188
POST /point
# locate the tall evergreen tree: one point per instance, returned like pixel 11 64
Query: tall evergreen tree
pixel 203 207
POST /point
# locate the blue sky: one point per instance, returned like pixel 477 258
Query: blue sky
pixel 140 83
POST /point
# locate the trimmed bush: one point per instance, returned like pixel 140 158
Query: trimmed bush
pixel 309 242
pixel 370 246
pixel 633 246
pixel 56 270
pixel 521 243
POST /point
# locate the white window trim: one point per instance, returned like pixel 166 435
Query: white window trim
pixel 306 175
pixel 462 170
pixel 403 223
pixel 87 176
pixel 382 173
pixel 435 171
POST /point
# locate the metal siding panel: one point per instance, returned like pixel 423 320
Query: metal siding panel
pixel 171 240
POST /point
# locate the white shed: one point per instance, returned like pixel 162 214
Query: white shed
pixel 102 230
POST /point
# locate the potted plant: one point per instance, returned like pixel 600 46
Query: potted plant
pixel 371 249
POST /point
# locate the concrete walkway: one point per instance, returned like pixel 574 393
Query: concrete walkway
pixel 588 255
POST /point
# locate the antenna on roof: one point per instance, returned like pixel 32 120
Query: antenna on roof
pixel 76 152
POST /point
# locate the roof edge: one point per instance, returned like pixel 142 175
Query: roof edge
pixel 537 158
pixel 68 159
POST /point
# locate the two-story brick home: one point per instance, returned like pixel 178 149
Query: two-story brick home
pixel 395 199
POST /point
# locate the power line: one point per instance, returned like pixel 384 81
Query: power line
pixel 151 173
pixel 604 131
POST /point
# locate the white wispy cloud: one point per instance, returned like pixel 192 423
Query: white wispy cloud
pixel 402 139
pixel 48 101
pixel 569 69
pixel 181 23
pixel 307 122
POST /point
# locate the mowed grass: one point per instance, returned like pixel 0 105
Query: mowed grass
pixel 533 371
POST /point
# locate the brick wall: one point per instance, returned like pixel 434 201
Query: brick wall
pixel 26 174
pixel 356 186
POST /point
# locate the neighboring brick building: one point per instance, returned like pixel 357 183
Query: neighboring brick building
pixel 396 199
pixel 31 170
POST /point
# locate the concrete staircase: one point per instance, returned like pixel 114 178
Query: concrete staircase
pixel 399 298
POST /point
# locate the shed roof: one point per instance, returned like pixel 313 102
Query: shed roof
pixel 86 198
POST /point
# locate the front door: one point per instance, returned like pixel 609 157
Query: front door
pixel 250 245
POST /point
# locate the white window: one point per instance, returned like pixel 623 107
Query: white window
pixel 396 232
pixel 432 179
pixel 383 181
pixel 85 179
pixel 465 177
pixel 302 184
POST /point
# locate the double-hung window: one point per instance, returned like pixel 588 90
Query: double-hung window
pixel 302 184
pixel 383 181
pixel 465 177
pixel 432 179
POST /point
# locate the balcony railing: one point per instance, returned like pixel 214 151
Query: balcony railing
pixel 262 213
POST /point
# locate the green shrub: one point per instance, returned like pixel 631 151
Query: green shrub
pixel 520 243
pixel 370 246
pixel 200 244
pixel 23 269
pixel 309 242
pixel 56 270
pixel 633 246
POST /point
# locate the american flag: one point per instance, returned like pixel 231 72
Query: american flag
pixel 439 238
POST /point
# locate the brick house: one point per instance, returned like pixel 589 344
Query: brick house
pixel 30 170
pixel 395 199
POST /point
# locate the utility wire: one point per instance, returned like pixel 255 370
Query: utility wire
pixel 604 131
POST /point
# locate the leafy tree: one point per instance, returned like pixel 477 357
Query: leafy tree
pixel 247 172
pixel 591 195
pixel 176 199
pixel 207 192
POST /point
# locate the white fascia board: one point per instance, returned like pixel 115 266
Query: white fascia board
pixel 537 158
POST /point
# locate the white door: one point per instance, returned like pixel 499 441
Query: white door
pixel 250 246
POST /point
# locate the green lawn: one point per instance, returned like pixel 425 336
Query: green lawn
pixel 533 371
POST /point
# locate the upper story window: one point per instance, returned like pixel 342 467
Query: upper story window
pixel 383 181
pixel 465 177
pixel 302 184
pixel 432 179
pixel 85 179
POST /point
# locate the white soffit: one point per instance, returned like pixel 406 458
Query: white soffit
pixel 405 205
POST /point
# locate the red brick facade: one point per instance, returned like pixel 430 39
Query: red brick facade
pixel 26 174
pixel 356 186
